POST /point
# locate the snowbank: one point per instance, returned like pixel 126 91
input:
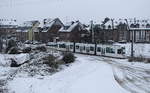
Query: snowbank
pixel 19 58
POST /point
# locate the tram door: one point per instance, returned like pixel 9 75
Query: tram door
pixel 67 48
pixel 103 51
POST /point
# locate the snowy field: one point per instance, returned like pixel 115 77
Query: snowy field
pixel 89 74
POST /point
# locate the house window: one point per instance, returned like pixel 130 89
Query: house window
pixel 132 26
pixel 137 25
pixel 66 27
pixel 147 25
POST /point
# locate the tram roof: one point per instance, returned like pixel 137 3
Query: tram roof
pixel 139 29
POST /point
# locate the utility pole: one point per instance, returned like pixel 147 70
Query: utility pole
pixel 132 51
pixel 133 31
pixel 132 36
pixel 1 44
pixel 92 32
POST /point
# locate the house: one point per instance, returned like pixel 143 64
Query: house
pixel 73 32
pixel 50 30
pixel 121 30
pixel 7 27
pixel 105 32
pixel 140 30
pixel 29 30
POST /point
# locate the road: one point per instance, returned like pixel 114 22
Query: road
pixel 132 78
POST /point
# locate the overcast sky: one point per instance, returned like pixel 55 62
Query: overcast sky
pixel 66 10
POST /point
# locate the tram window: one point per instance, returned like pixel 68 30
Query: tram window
pixel 71 46
pixel 83 47
pixel 109 50
pixel 55 45
pixel 112 51
pixel 62 46
pixel 77 47
pixel 91 48
pixel 98 49
pixel 123 49
pixel 119 51
pixel 87 49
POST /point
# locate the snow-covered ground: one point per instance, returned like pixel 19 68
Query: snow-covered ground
pixel 86 75
pixel 89 74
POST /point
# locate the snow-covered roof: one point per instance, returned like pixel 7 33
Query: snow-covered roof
pixel 87 28
pixel 142 23
pixel 29 23
pixel 23 30
pixel 139 29
pixel 8 23
pixel 108 25
pixel 26 30
pixel 69 27
pixel 48 23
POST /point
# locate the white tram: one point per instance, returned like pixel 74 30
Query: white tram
pixel 116 51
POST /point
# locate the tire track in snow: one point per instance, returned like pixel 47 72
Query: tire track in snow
pixel 135 79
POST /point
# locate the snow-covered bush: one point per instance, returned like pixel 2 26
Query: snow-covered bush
pixel 11 43
pixel 137 59
pixel 41 48
pixel 27 50
pixel 51 61
pixel 148 60
pixel 14 63
pixel 13 50
pixel 68 57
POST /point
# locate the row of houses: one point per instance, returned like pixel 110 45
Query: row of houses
pixel 123 30
pixel 53 30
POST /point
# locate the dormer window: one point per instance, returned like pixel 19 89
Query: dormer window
pixel 109 26
pixel 137 25
pixel 132 26
pixel 143 25
pixel 147 25
pixel 66 27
